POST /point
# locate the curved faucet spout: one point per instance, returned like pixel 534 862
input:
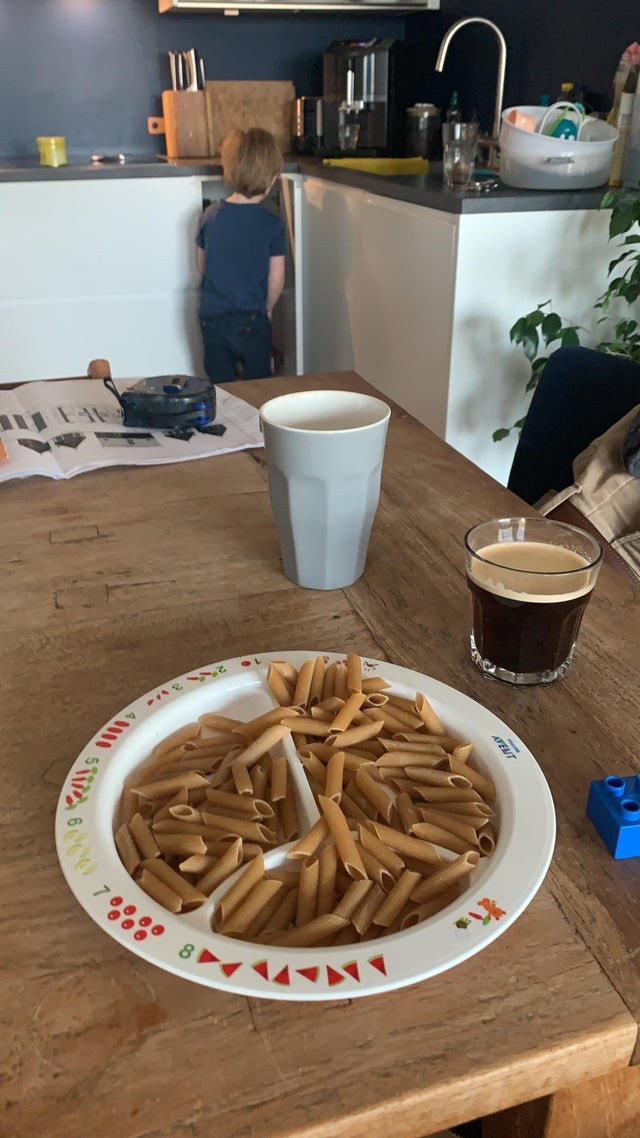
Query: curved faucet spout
pixel 502 60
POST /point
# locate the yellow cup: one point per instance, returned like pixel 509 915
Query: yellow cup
pixel 52 150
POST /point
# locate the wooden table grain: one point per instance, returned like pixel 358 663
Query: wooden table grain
pixel 117 580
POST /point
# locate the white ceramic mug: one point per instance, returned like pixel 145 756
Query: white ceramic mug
pixel 324 457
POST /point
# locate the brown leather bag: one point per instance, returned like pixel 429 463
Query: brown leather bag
pixel 604 498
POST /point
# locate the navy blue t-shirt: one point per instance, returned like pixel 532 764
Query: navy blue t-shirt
pixel 238 241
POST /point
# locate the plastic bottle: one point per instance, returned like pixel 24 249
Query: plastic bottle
pixel 623 126
pixel 620 78
pixel 454 114
pixel 545 100
pixel 567 93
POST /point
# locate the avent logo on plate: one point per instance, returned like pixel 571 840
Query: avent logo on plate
pixel 507 747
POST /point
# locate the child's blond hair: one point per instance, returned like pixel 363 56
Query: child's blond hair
pixel 251 161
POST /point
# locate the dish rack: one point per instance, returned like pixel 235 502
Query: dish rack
pixel 531 160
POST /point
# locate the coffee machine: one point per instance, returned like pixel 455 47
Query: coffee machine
pixel 366 82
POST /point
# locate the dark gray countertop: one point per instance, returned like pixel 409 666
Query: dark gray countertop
pixel 420 189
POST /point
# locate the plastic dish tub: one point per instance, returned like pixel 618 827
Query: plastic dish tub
pixel 531 161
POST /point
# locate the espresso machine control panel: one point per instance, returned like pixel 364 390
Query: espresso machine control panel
pixel 364 84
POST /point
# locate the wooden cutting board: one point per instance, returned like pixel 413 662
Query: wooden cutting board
pixel 239 104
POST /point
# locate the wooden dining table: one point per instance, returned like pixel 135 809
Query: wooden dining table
pixel 116 581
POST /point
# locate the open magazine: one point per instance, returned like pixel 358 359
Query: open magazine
pixel 59 428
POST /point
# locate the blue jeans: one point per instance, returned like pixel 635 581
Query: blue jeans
pixel 237 345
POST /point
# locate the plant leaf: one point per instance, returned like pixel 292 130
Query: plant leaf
pixel 551 326
pixel 500 434
pixel 570 338
pixel 530 341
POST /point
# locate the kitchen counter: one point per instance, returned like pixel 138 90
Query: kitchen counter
pixel 419 189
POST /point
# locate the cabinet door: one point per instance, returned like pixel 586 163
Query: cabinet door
pixel 99 268
pixel 378 280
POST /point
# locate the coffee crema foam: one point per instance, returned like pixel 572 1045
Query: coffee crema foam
pixel 526 571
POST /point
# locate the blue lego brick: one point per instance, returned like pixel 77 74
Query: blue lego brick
pixel 614 808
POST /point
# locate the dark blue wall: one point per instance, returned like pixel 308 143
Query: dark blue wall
pixel 93 69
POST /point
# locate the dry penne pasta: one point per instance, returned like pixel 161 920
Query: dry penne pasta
pixel 405 814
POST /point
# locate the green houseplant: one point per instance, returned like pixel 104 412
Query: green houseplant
pixel 543 330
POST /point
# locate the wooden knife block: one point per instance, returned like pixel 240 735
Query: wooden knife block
pixel 185 124
pixel 196 122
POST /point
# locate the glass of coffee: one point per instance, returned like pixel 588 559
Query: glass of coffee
pixel 530 581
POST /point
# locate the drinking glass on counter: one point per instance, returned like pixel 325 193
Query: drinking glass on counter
pixel 530 580
pixel 348 126
pixel 459 146
pixel 324 460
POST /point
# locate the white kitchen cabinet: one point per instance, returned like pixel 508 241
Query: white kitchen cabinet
pixel 99 268
pixel 419 302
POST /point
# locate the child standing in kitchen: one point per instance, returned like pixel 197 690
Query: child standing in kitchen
pixel 241 247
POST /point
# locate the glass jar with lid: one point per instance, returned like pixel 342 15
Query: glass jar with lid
pixel 424 131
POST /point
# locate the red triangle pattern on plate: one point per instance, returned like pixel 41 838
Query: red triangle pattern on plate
pixel 261 968
pixel 351 968
pixel 333 976
pixel 207 957
pixel 229 969
pixel 312 973
pixel 378 962
pixel 283 976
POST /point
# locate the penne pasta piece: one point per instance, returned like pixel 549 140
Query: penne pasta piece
pixel 249 850
pixel 307 725
pixel 311 841
pixel 408 705
pixel 376 699
pixel 284 913
pixel 269 913
pixel 185 813
pixel 447 875
pixel 206 741
pixel 240 805
pixel 307 891
pixel 483 785
pixel 327 867
pixel 347 711
pixel 181 845
pixel 159 892
pixel 428 715
pixel 376 871
pixel 447 742
pixel 256 727
pixel 143 837
pixel 192 898
pixel 400 759
pixel 279 769
pixel 312 764
pixel 128 805
pixel 362 917
pixel 410 720
pixel 418 913
pixel 334 776
pixel 240 889
pixel 405 844
pixel 447 794
pixel 240 828
pixel 167 786
pixel 440 837
pixel 127 848
pixel 382 715
pixel 332 704
pixel 462 812
pixel 241 778
pixel 487 840
pixel 340 682
pixel 374 792
pixel 374 683
pixel 418 748
pixel 237 922
pixel 196 863
pixel 354 672
pixel 449 822
pixel 320 714
pixel 318 931
pixel 341 834
pixel 328 682
pixel 219 722
pixel 177 738
pixel 260 746
pixel 286 670
pixel 407 811
pixel 259 781
pixel 303 683
pixel 463 751
pixel 395 902
pixel 175 826
pixel 317 681
pixel 352 898
pixel 282 691
pixel 223 772
pixel 380 850
pixel 288 823
pixel 351 808
pixel 353 735
pixel 431 777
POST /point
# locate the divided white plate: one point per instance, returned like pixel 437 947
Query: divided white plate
pixel 498 891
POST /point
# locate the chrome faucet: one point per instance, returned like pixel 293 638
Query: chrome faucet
pixel 502 62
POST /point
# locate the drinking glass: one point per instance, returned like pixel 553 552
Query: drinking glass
pixel 324 461
pixel 530 581
pixel 459 146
